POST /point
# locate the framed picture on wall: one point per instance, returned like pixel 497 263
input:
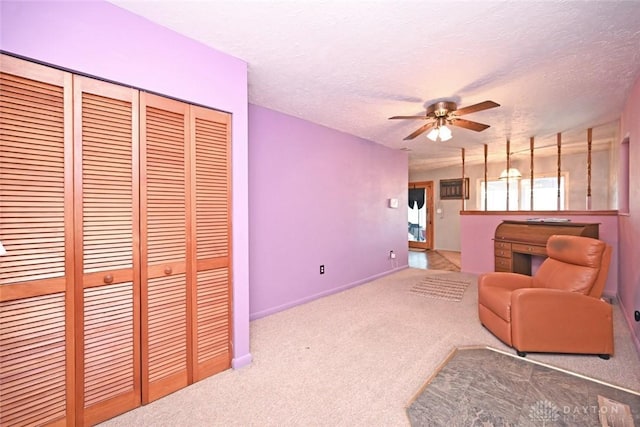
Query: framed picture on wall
pixel 452 189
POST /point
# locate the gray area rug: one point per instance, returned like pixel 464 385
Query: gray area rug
pixel 441 287
pixel 485 387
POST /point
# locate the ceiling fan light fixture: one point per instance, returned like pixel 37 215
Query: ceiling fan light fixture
pixel 433 134
pixel 445 133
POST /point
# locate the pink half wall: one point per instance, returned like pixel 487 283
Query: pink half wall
pixel 477 249
pixel 99 39
pixel 318 196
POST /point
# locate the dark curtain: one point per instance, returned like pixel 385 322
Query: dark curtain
pixel 416 195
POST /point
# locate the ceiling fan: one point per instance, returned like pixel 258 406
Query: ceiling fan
pixel 445 113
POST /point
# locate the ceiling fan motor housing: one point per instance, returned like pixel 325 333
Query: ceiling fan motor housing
pixel 441 109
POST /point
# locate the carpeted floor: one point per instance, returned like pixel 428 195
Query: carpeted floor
pixel 354 358
pixel 481 386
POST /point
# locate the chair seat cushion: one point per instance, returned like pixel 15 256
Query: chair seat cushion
pixel 497 299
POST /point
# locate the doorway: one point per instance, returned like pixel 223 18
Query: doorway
pixel 420 215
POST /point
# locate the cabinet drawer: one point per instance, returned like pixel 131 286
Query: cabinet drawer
pixel 504 253
pixel 503 264
pixel 502 245
pixel 529 249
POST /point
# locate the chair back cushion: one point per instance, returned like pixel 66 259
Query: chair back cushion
pixel 574 264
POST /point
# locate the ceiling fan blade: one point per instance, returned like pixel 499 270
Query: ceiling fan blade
pixel 420 130
pixel 476 107
pixel 468 124
pixel 409 117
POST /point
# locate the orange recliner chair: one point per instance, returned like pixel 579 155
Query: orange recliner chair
pixel 559 309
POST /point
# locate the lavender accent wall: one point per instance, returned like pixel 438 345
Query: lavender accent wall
pixel 99 39
pixel 629 286
pixel 477 249
pixel 319 196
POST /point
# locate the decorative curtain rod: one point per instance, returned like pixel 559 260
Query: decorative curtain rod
pixel 589 135
pixel 559 164
pixel 486 184
pixel 463 186
pixel 531 170
pixel 508 167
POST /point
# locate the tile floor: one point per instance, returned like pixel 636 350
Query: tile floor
pixel 484 387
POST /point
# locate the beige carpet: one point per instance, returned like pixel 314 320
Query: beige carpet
pixel 355 358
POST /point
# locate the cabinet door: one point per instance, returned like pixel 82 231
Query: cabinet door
pixel 36 229
pixel 165 199
pixel 211 233
pixel 107 251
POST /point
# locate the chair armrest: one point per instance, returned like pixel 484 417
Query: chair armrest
pixel 505 280
pixel 553 320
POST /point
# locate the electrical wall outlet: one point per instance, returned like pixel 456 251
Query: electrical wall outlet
pixel 322 269
pixel 392 255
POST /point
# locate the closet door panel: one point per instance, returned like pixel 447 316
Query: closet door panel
pixel 33 360
pixel 212 322
pixel 164 156
pixel 36 229
pixel 210 171
pixel 107 248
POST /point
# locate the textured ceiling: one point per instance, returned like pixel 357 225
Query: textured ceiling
pixel 349 65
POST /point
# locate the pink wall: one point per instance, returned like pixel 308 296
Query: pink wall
pixel 477 233
pixel 629 286
pixel 319 196
pixel 99 39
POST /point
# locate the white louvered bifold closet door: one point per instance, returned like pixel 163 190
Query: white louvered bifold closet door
pixel 211 236
pixel 107 250
pixel 36 229
pixel 164 197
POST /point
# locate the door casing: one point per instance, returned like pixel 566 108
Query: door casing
pixel 428 186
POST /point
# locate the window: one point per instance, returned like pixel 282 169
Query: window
pixel 545 192
pixel 497 195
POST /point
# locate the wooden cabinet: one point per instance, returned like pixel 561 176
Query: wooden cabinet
pixel 115 289
pixel 502 252
pixel 517 241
